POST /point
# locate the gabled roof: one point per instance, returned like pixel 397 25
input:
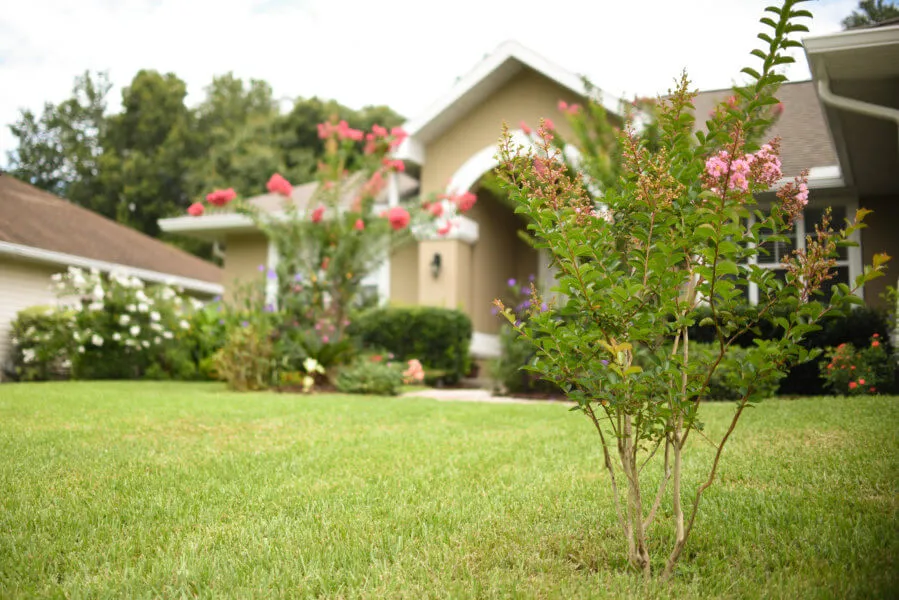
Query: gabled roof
pixel 485 78
pixel 37 225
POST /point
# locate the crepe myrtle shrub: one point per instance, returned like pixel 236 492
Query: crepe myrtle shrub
pixel 635 266
pixel 328 244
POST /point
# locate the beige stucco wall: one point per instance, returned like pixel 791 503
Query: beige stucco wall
pixel 404 275
pixel 526 97
pixel 22 284
pixel 243 255
pixel 881 235
pixel 452 287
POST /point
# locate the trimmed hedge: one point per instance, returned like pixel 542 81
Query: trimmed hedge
pixel 855 327
pixel 438 337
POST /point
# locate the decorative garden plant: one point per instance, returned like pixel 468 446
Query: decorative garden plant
pixel 678 230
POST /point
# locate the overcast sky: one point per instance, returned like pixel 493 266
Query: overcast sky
pixel 396 52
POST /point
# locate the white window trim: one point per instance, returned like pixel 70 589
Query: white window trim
pixel 853 256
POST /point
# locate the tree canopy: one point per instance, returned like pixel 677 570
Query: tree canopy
pixel 870 12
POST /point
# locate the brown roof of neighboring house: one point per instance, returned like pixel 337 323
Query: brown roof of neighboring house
pixel 805 138
pixel 32 217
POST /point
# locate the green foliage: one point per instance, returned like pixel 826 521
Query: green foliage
pixel 871 12
pixel 367 376
pixel 438 337
pixel 40 351
pixel 247 361
pixel 727 378
pixel 851 371
pixel 636 262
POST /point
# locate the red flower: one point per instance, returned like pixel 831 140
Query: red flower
pixel 398 217
pixel 563 106
pixel 325 262
pixel 436 209
pixel 377 358
pixel 379 131
pixel 465 201
pixel 318 214
pixel 445 229
pixel 875 344
pixel 360 225
pixel 195 210
pixel 221 197
pixel 399 134
pixel 524 127
pixel 861 381
pixel 872 390
pixel 394 165
pixel 852 385
pixel 548 124
pixel 278 185
pixel 876 335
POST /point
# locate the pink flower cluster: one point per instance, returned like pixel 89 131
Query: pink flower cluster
pixel 342 131
pixel 569 109
pixel 724 171
pixel 278 185
pixel 399 217
pixel 221 197
pixel 395 165
pixel 394 138
pixel 414 373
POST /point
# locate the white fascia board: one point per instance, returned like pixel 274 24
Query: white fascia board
pixel 60 258
pixel 852 39
pixel 221 222
pixel 412 150
pixel 828 177
pixel 487 67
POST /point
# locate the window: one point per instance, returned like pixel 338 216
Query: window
pixel 848 261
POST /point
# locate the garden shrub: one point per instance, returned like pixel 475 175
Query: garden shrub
pixel 724 383
pixel 40 351
pixel 367 376
pixel 247 361
pixel 853 327
pixel 438 337
pixel 508 368
pixel 851 371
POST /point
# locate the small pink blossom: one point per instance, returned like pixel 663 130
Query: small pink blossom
pixel 399 218
pixel 278 185
pixel 436 209
pixel 548 125
pixel 444 229
pixel 379 131
pixel 360 225
pixel 195 210
pixel 524 127
pixel 465 201
pixel 318 213
pixel 394 165
pixel 563 106
pixel 221 197
pixel 414 373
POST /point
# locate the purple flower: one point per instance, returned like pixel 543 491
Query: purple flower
pixel 526 303
pixel 605 362
pixel 494 311
pixel 260 268
pixel 217 299
pixel 244 323
pixel 271 274
pixel 543 307
pixel 298 277
pixel 269 308
pixel 525 290
pixel 511 282
pixel 531 278
pixel 518 323
pixel 221 321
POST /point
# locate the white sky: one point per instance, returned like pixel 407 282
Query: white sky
pixel 404 53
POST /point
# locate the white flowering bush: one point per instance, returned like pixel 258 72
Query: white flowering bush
pixel 39 351
pixel 119 328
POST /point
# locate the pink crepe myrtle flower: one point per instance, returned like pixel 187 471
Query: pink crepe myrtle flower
pixel 524 127
pixel 318 213
pixel 195 210
pixel 563 106
pixel 465 201
pixel 444 229
pixel 573 109
pixel 436 209
pixel 399 135
pixel 379 131
pixel 802 194
pixel 374 185
pixel 221 197
pixel 360 225
pixel 399 218
pixel 278 185
pixel 394 165
pixel 548 125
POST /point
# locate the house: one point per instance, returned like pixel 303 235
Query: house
pixel 41 234
pixel 841 126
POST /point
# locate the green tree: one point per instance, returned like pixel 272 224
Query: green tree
pixel 58 151
pixel 147 151
pixel 870 12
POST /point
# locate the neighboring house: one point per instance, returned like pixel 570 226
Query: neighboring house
pixel 41 234
pixel 849 147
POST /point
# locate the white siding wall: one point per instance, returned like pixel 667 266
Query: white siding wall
pixel 22 284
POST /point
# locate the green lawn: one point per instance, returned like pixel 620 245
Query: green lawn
pixel 153 489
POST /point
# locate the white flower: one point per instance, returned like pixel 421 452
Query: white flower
pixel 66 364
pixel 98 292
pixel 157 340
pixel 167 335
pixel 130 308
pixel 155 326
pixel 136 283
pixel 142 307
pixel 95 306
pixel 178 301
pixel 184 324
pixel 81 349
pixel 76 336
pixel 27 355
pixel 141 296
pixel 311 366
pixel 95 271
pixel 196 304
pixel 124 320
pixel 135 330
pixel 57 277
pixel 49 312
pixel 96 340
pixel 145 343
pixel 154 316
pixel 117 336
pixel 30 331
pixel 14 340
pixel 308 382
pixel 167 293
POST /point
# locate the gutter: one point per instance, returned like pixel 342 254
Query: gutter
pixel 856 106
pixel 60 258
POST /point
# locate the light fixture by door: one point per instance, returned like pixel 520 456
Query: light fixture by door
pixel 435 265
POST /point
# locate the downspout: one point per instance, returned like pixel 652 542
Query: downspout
pixel 856 106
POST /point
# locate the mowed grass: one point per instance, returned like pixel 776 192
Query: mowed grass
pixel 170 490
